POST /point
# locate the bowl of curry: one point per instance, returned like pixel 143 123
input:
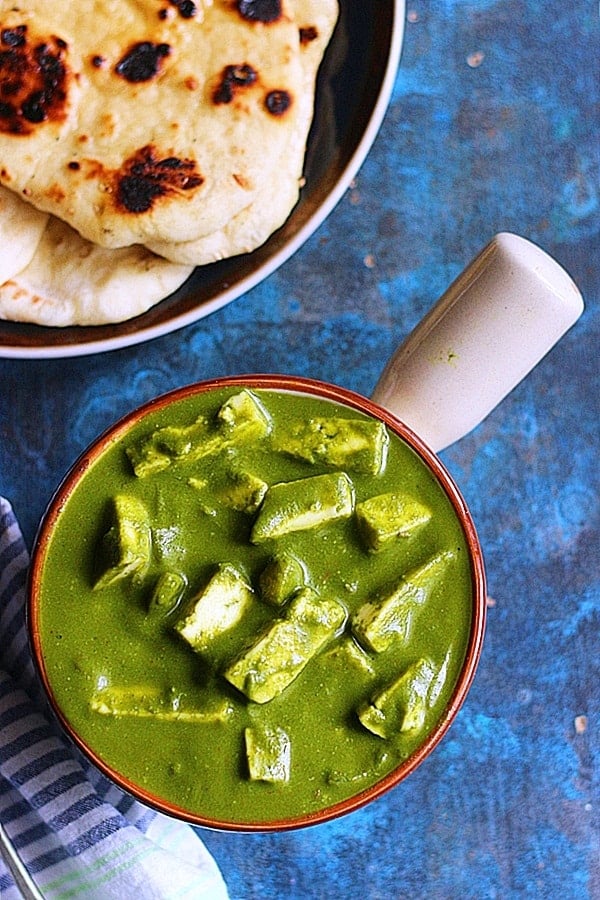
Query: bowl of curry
pixel 257 603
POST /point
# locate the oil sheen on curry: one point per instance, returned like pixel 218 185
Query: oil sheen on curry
pixel 256 604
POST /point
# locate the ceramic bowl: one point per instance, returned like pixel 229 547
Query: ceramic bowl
pixel 494 324
pixel 116 436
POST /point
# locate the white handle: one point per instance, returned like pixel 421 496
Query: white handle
pixel 491 327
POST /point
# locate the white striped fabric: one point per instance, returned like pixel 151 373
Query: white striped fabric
pixel 78 835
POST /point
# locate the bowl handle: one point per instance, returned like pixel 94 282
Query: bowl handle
pixel 490 328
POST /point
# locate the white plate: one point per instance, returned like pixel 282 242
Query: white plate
pixel 355 83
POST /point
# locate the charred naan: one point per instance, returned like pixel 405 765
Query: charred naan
pixel 272 205
pixel 136 121
pixel 162 136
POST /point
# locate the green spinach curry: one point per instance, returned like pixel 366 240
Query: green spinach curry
pixel 255 604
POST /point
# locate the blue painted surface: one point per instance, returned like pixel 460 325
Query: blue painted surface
pixel 492 126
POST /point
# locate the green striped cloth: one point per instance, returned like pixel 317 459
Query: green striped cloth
pixel 78 835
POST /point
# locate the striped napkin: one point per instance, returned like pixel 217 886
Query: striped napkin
pixel 78 835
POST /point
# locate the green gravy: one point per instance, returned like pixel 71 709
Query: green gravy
pixel 119 643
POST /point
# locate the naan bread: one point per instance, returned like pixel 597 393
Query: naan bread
pixel 133 121
pixel 269 210
pixel 21 227
pixel 50 156
pixel 71 281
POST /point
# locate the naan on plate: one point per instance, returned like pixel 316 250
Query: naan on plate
pixel 108 143
pixel 21 228
pixel 134 121
pixel 271 207
pixel 71 281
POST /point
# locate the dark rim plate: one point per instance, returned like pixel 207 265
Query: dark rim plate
pixel 355 82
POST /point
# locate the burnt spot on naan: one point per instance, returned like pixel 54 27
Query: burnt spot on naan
pixel 278 102
pixel 33 80
pixel 266 11
pixel 308 34
pixel 187 9
pixel 237 78
pixel 142 62
pixel 232 80
pixel 144 179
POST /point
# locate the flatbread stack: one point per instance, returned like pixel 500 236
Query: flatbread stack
pixel 142 138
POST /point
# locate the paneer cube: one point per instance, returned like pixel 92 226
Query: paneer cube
pixel 151 702
pixel 388 618
pixel 383 519
pixel 240 420
pixel 216 609
pixel 170 444
pixel 276 659
pixel 359 445
pixel 283 576
pixel 268 753
pixel 402 705
pixel 126 547
pixel 306 503
pixel 244 492
pixel 243 418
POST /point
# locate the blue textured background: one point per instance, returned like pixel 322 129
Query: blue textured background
pixel 493 126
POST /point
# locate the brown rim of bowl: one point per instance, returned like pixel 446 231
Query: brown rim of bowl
pixel 291 384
